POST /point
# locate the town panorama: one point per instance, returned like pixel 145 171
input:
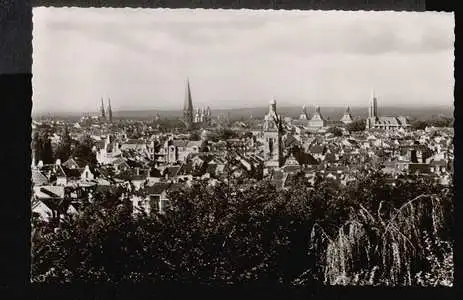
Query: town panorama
pixel 207 197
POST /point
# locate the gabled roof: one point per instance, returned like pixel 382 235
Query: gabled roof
pixel 102 181
pixel 72 163
pixel 289 141
pixel 59 171
pixel 388 121
pixel 72 173
pixel 38 178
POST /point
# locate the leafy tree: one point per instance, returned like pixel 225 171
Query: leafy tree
pixel 37 146
pixel 83 152
pixel 335 131
pixel 63 152
pixel 254 233
pixel 419 125
pixel 167 124
pixel 226 133
pixel 47 151
pixel 441 122
pixel 357 125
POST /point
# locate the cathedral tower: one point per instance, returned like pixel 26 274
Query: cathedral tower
pixel 102 112
pixel 272 136
pixel 373 109
pixel 109 111
pixel 188 107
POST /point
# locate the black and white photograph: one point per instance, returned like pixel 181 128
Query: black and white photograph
pixel 241 147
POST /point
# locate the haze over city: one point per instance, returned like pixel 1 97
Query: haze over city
pixel 235 59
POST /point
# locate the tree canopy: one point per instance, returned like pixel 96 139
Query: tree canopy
pixel 357 125
pixel 231 234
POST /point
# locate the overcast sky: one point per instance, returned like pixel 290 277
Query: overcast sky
pixel 140 58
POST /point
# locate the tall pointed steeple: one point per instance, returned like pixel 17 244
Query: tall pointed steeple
pixel 188 106
pixel 102 112
pixel 373 109
pixel 109 111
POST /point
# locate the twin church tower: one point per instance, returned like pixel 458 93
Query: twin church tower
pixel 108 114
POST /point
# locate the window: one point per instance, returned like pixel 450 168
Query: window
pixel 154 202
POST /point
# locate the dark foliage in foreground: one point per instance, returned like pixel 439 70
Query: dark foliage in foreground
pixel 258 235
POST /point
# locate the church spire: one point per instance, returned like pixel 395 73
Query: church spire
pixel 109 111
pixel 102 112
pixel 188 106
pixel 373 109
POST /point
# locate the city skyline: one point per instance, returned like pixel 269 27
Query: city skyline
pixel 81 55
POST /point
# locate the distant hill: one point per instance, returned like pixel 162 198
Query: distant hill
pixel 332 113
